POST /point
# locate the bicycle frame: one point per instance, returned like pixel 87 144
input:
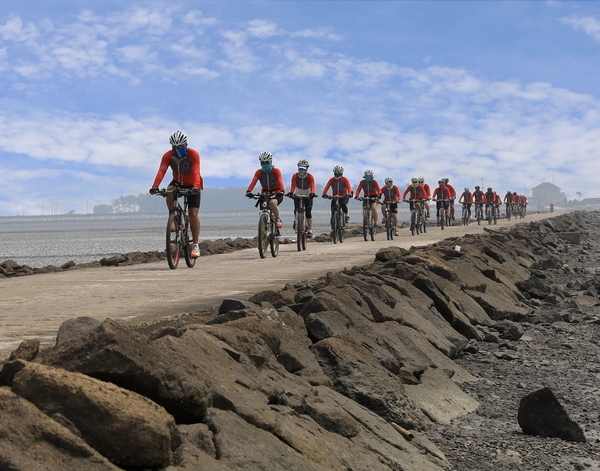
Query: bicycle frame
pixel 179 233
pixel 268 234
pixel 389 223
pixel 338 221
pixel 301 222
pixel 368 223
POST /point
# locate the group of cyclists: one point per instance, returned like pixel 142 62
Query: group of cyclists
pixel 185 165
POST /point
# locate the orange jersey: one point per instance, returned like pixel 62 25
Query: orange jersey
pixel 186 171
pixel 339 186
pixel 416 193
pixel 391 194
pixel 369 188
pixel 271 182
pixel 307 183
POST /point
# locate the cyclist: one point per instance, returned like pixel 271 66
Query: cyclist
pixel 478 197
pixel 427 189
pixel 466 198
pixel 508 200
pixel 452 197
pixel 340 186
pixel 441 193
pixel 185 165
pixel 492 199
pixel 370 189
pixel 523 200
pixel 417 192
pixel 271 182
pixel 391 194
pixel 303 183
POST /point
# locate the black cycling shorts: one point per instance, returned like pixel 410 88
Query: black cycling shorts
pixel 193 200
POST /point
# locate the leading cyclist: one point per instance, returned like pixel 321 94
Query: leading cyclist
pixel 185 165
pixel 370 189
pixel 391 195
pixel 340 186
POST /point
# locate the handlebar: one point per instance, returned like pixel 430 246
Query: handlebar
pixel 335 197
pixel 294 196
pixel 177 192
pixel 368 198
pixel 266 196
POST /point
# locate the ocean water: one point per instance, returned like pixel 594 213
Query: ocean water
pixel 38 241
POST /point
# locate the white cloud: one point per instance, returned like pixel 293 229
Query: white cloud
pixel 197 18
pixel 263 29
pixel 320 33
pixel 589 25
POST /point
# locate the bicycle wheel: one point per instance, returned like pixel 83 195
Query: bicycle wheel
pixel 300 232
pixel 188 240
pixel 424 221
pixel 413 221
pixel 479 216
pixel 366 217
pixel 442 216
pixel 495 215
pixel 274 240
pixel 173 240
pixel 335 220
pixel 465 217
pixel 389 226
pixel 341 225
pixel 263 221
pixel 372 231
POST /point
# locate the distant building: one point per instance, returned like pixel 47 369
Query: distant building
pixel 546 194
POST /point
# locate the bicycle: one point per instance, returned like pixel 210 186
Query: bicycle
pixel 417 219
pixel 268 234
pixel 179 232
pixel 389 223
pixel 444 213
pixel 338 219
pixel 491 213
pixel 478 212
pixel 369 228
pixel 301 225
pixel 465 214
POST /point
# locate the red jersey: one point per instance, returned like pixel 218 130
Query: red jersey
pixel 416 193
pixel 442 193
pixel 339 186
pixel 271 182
pixel 466 197
pixel 369 188
pixel 391 194
pixel 306 183
pixel 478 196
pixel 452 190
pixel 427 189
pixel 186 171
pixel 509 198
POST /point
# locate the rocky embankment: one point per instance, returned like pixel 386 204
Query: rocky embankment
pixel 326 374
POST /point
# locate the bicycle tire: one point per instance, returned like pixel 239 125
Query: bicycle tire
pixel 188 240
pixel 373 231
pixel 263 221
pixel 341 225
pixel 442 216
pixel 495 215
pixel 366 218
pixel 424 221
pixel 274 242
pixel 389 228
pixel 173 242
pixel 413 221
pixel 300 232
pixel 334 226
pixel 465 217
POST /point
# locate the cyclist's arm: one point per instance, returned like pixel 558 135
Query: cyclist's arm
pixel 162 169
pixel 280 185
pixel 293 183
pixel 311 183
pixel 327 186
pixel 255 180
pixel 359 188
pixel 195 161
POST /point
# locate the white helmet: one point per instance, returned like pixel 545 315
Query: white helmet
pixel 466 188
pixel 421 179
pixel 368 173
pixel 338 170
pixel 388 180
pixel 178 138
pixel 265 158
pixel 303 163
pixel 414 180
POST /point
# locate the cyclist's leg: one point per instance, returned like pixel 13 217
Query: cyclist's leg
pixel 438 206
pixel 274 207
pixel 344 206
pixel 374 212
pixel 170 200
pixel 308 204
pixel 193 209
pixel 394 213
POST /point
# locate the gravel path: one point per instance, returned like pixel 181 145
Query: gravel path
pixel 564 356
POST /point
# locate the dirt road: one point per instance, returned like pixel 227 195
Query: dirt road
pixel 35 306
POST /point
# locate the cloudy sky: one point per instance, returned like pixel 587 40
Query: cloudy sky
pixel 497 93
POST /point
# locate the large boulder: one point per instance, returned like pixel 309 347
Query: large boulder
pixel 104 414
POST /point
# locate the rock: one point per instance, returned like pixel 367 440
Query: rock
pixel 75 327
pixel 509 330
pixel 27 350
pixel 104 414
pixel 30 440
pixel 541 414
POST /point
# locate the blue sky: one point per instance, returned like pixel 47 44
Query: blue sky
pixel 504 94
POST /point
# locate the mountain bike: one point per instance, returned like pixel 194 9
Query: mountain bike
pixel 268 234
pixel 179 232
pixel 338 219
pixel 491 213
pixel 369 228
pixel 416 217
pixel 478 212
pixel 444 213
pixel 465 214
pixel 389 223
pixel 300 224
